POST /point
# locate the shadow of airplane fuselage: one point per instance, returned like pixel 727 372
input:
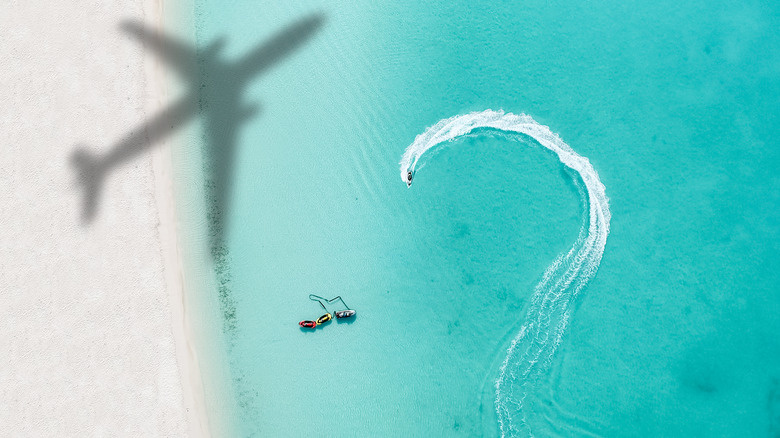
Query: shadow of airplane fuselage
pixel 216 93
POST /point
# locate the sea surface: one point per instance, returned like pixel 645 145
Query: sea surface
pixel 675 327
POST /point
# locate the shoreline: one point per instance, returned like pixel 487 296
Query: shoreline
pixel 186 351
pixel 190 272
pixel 157 96
pixel 173 18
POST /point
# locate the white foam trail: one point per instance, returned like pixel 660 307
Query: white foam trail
pixel 532 349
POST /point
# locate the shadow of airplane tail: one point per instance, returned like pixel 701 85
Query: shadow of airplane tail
pixel 89 175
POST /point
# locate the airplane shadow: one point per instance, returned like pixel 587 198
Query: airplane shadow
pixel 217 88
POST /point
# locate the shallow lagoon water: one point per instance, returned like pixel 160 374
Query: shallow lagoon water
pixel 675 105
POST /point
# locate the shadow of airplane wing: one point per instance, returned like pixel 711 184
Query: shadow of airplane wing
pixel 179 55
pixel 91 169
pixel 279 46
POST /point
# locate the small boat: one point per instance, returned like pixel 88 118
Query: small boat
pixel 324 318
pixel 308 324
pixel 409 176
pixel 345 313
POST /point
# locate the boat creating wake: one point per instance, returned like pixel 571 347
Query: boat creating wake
pixel 531 351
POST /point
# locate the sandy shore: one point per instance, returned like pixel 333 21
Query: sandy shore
pixel 94 338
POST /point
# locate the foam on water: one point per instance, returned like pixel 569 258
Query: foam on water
pixel 531 351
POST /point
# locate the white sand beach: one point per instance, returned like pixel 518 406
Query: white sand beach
pixel 93 334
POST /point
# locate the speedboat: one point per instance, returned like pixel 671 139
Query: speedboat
pixel 409 176
pixel 345 313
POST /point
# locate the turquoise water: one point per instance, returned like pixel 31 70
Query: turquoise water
pixel 676 107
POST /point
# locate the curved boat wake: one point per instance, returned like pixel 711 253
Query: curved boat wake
pixel 530 353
